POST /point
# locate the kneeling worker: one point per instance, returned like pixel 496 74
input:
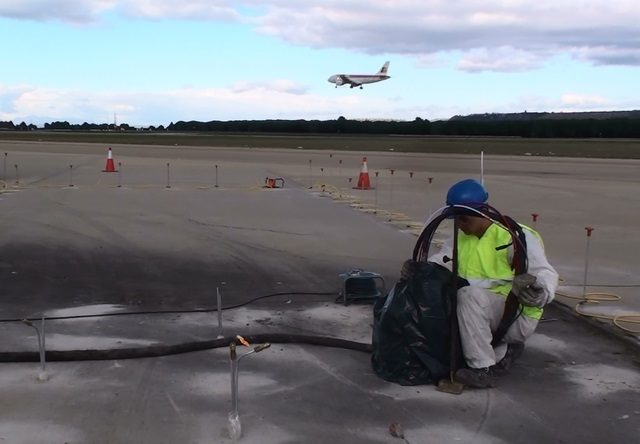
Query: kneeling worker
pixel 484 259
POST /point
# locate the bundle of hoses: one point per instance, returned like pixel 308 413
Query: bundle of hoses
pixel 421 249
pixel 519 263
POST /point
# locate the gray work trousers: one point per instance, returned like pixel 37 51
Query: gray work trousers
pixel 479 314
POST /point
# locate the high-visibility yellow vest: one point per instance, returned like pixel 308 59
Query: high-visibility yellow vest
pixel 483 266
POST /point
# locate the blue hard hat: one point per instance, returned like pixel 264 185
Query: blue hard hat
pixel 468 192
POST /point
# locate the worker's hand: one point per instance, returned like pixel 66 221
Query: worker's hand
pixel 408 270
pixel 528 291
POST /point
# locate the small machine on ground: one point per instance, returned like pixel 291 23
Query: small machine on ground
pixel 360 285
pixel 273 182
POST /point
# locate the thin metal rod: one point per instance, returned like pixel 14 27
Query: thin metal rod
pixel 41 343
pixel 586 263
pixel 234 383
pixel 375 195
pixel 429 181
pixel 219 300
pixel 391 196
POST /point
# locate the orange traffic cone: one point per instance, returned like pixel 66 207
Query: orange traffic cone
pixel 363 181
pixel 110 168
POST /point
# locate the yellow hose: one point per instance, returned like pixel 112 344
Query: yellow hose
pixel 596 298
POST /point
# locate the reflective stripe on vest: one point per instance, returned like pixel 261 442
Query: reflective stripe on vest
pixel 483 266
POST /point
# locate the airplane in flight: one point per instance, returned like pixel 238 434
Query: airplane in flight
pixel 360 79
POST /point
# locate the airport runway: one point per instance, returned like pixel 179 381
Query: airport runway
pixel 160 235
pixel 167 237
pixel 144 222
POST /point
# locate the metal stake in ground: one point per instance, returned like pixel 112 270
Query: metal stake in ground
pixel 119 175
pixel 219 301
pixel 586 262
pixel 310 175
pixel 534 217
pixel 216 185
pixel 42 376
pixel 70 175
pixel 391 195
pixel 375 195
pixel 235 427
pixel 340 179
pixel 17 177
pixel 168 176
pixel 429 181
pixel 4 167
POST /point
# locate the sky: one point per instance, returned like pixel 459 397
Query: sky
pixel 153 62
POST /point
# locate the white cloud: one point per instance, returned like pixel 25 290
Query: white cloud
pixel 566 102
pixel 179 9
pixel 73 11
pixel 535 30
pixel 282 86
pixel 581 101
pixel 247 101
pixel 598 31
pixel 281 99
pixel 607 55
pixel 503 58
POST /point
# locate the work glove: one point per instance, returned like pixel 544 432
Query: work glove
pixel 528 291
pixel 409 269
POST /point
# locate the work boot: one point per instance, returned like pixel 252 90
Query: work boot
pixel 475 377
pixel 514 350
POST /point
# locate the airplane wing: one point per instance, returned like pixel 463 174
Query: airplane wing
pixel 349 80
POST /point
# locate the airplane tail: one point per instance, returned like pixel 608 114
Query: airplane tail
pixel 385 68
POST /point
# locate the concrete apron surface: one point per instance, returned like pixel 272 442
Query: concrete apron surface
pixel 152 237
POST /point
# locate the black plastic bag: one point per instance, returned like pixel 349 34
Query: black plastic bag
pixel 411 330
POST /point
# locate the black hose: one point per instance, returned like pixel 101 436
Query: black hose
pixel 154 351
pixel 195 310
pixel 186 347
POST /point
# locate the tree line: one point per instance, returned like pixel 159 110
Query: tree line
pixel 537 126
pixel 66 126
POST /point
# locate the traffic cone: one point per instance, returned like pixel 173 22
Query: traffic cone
pixel 363 181
pixel 110 168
